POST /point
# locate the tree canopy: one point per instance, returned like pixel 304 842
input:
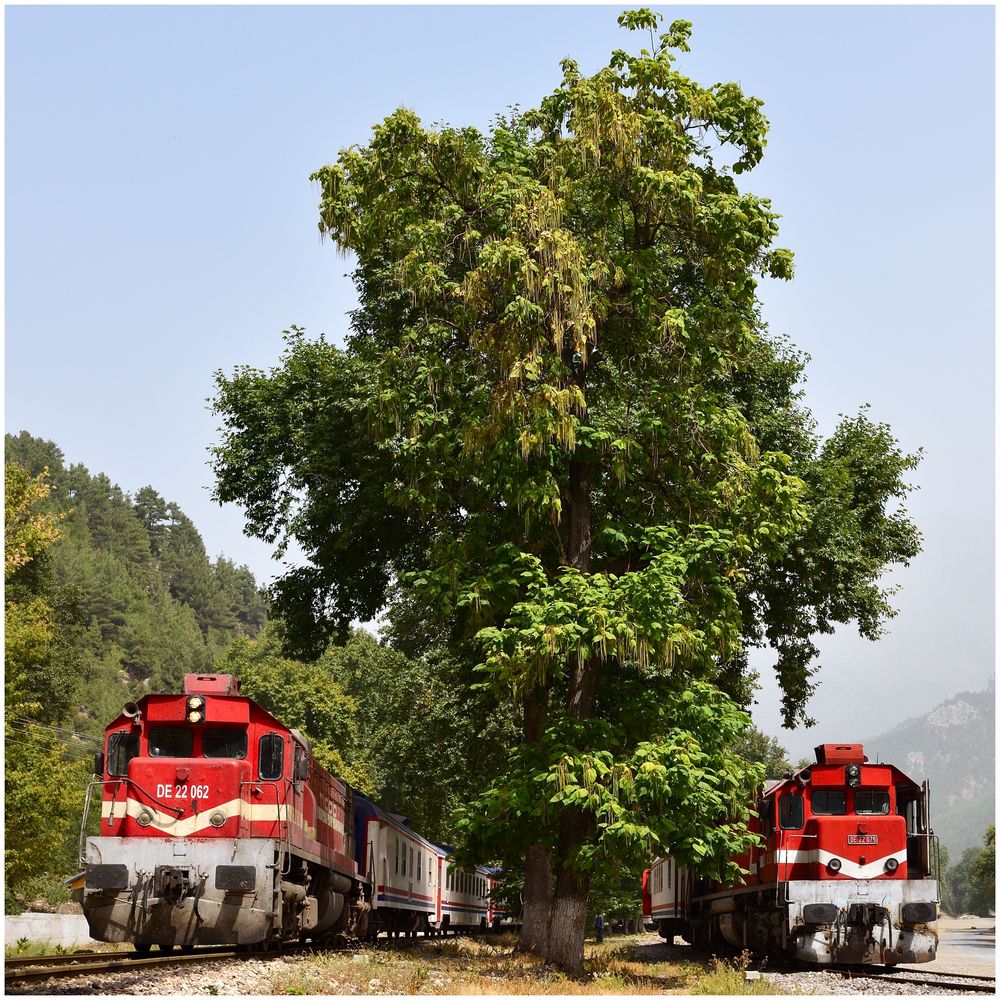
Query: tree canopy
pixel 560 424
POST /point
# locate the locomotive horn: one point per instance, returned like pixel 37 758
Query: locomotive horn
pixel 131 709
pixel 805 776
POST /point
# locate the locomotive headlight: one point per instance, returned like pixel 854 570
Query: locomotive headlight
pixel 195 716
pixel 196 708
pixel 144 818
pixel 891 864
pixel 853 772
pixel 217 819
pixel 833 864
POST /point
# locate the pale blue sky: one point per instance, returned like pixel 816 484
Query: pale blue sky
pixel 160 225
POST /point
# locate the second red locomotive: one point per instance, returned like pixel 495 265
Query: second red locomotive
pixel 846 871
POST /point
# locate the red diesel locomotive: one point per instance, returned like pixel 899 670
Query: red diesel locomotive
pixel 846 871
pixel 218 827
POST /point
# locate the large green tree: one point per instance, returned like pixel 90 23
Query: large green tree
pixel 560 424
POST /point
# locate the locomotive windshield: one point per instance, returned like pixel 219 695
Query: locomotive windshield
pixel 829 802
pixel 871 802
pixel 170 741
pixel 122 747
pixel 791 812
pixel 271 762
pixel 224 743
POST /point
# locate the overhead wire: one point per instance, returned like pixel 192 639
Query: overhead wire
pixel 25 723
pixel 65 755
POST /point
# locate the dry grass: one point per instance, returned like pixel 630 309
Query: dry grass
pixel 477 967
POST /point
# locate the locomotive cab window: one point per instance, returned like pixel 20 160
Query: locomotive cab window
pixel 224 743
pixel 271 757
pixel 122 747
pixel 871 802
pixel 829 802
pixel 300 765
pixel 765 809
pixel 791 812
pixel 170 741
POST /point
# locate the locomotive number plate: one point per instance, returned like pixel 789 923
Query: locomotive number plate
pixel 865 839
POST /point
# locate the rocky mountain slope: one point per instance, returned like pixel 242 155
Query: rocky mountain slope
pixel 954 745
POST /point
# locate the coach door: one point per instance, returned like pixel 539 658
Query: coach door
pixel 437 890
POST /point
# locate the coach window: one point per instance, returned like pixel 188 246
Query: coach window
pixel 791 812
pixel 403 871
pixel 411 862
pixel 396 841
pixel 420 859
pixel 170 741
pixel 829 802
pixel 122 747
pixel 271 758
pixel 224 743
pixel 871 802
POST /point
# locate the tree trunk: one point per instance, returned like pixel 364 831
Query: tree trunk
pixel 537 904
pixel 572 896
pixel 569 925
pixel 572 892
pixel 537 910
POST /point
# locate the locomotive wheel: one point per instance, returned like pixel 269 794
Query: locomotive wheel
pixel 186 949
pixel 142 947
pixel 165 948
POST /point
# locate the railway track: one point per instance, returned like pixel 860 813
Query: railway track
pixel 26 970
pixel 924 977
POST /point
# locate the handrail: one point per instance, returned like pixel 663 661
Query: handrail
pixel 285 851
pixel 781 885
pixel 162 805
pixel 86 809
pixel 117 781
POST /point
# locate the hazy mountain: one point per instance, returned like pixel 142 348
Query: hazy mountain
pixel 954 745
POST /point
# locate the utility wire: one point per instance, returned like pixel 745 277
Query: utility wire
pixel 70 754
pixel 25 723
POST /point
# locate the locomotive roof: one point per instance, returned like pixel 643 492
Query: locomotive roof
pixel 792 778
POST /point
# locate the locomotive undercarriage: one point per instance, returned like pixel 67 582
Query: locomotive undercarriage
pixel 880 921
pixel 825 922
pixel 171 892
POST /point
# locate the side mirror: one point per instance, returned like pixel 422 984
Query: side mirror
pixel 301 768
pixel 99 763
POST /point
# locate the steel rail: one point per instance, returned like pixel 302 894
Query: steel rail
pixel 23 970
pixel 914 977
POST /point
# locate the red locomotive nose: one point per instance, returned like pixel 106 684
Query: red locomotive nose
pixel 199 799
